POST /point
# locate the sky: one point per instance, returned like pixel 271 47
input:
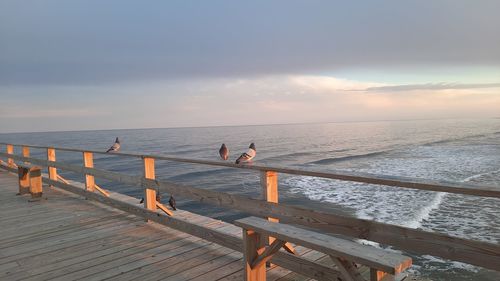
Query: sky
pixel 80 65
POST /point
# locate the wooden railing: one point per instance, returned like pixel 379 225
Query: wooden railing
pixel 478 253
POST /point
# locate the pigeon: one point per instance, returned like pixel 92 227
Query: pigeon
pixel 224 152
pixel 171 202
pixel 115 147
pixel 248 156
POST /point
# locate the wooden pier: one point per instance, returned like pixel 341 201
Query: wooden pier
pixel 83 231
pixel 65 237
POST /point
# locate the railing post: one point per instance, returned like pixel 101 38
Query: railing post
pixel 10 150
pixel 251 246
pixel 35 182
pixel 269 184
pixel 149 193
pixel 26 153
pixel 88 162
pixel 24 180
pixel 51 156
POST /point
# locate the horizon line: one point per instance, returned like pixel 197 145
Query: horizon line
pixel 248 125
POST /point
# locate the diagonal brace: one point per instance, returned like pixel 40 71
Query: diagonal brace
pixel 348 270
pixel 268 253
pixel 163 208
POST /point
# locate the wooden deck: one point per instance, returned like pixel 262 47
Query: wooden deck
pixel 65 237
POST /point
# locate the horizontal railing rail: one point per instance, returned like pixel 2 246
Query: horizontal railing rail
pixel 413 240
pixel 396 181
pixel 128 204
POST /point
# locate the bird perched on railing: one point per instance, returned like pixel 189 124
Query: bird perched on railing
pixel 247 156
pixel 172 203
pixel 224 152
pixel 115 147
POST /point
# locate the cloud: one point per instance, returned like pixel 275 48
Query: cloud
pixel 431 86
pixel 95 42
pixel 231 101
pixel 327 83
pixel 28 113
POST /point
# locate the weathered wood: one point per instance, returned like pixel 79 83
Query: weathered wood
pixel 51 156
pixel 269 184
pixel 59 177
pixel 397 181
pixel 164 208
pixel 24 180
pixel 149 193
pixel 7 168
pixel 267 254
pixel 10 150
pixel 333 246
pixel 35 182
pixel 422 242
pixel 418 241
pixel 26 153
pixel 377 275
pixel 88 162
pixel 251 242
pixel 101 190
pixel 285 260
pixel 347 269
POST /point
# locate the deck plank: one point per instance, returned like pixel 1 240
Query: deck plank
pixel 66 237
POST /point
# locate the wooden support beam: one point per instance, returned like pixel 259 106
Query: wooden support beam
pixel 482 254
pixel 26 153
pixel 101 190
pixel 348 270
pixel 308 268
pixel 269 185
pixel 51 156
pixel 149 193
pixel 251 246
pixel 10 150
pixel 164 208
pixel 88 162
pixel 36 182
pixel 268 253
pixel 377 275
pixel 59 177
pixel 24 180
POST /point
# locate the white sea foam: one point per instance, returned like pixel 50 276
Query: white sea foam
pixel 477 176
pixel 457 215
pixel 455 264
pixel 426 211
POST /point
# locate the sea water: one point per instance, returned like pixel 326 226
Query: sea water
pixel 465 151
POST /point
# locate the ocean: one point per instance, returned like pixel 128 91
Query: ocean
pixel 452 150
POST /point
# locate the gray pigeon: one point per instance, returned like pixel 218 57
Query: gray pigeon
pixel 247 156
pixel 224 152
pixel 172 203
pixel 115 147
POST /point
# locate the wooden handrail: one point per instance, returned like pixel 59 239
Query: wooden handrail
pixel 473 252
pixel 397 181
pixel 129 205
